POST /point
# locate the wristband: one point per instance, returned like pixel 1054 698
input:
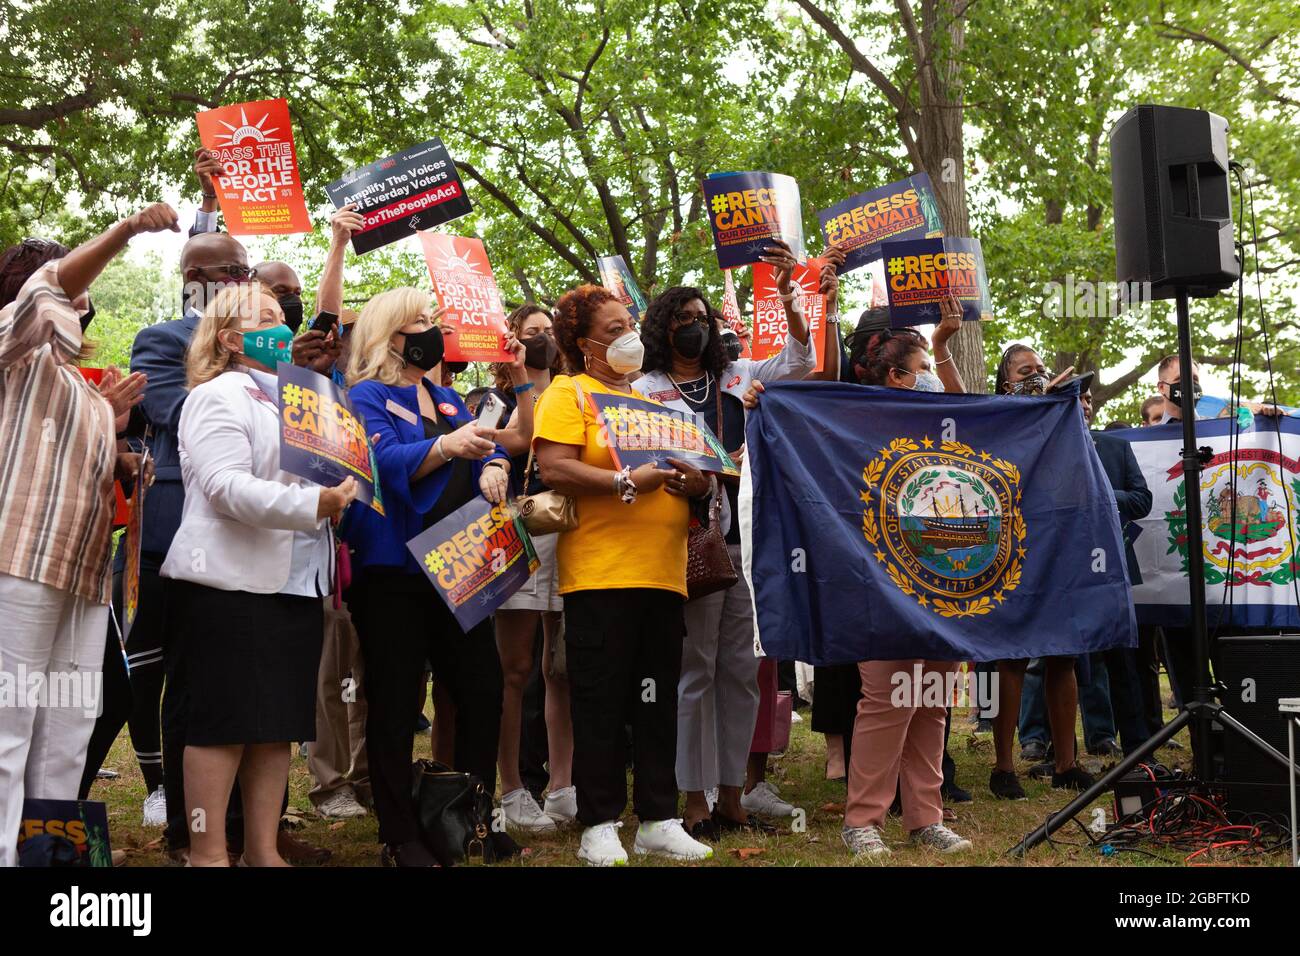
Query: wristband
pixel 209 195
pixel 495 463
pixel 941 361
pixel 520 389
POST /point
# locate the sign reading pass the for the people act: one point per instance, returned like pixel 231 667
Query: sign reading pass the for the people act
pixel 467 292
pixel 259 188
pixel 771 327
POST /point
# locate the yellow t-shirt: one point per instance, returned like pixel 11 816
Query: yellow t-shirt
pixel 616 545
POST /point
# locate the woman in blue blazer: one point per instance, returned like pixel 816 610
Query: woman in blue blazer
pixel 432 459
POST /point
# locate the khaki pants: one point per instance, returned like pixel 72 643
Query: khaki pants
pixel 337 758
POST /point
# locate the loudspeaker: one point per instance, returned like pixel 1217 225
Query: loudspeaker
pixel 1173 215
pixel 1256 672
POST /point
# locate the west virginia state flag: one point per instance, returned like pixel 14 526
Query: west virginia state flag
pixel 883 524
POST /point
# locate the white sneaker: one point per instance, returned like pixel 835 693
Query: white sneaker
pixel 669 838
pixel 600 845
pixel 562 805
pixel 766 802
pixel 711 798
pixel 864 841
pixel 939 837
pixel 523 813
pixel 155 809
pixel 342 804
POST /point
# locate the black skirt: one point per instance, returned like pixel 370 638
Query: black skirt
pixel 247 663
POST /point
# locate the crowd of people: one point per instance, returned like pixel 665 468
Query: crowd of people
pixel 272 610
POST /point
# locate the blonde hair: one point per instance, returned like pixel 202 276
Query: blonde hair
pixel 370 352
pixel 207 357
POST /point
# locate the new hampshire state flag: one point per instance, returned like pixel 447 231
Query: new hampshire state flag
pixel 883 524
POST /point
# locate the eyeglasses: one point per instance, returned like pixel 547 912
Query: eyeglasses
pixel 237 272
pixel 687 318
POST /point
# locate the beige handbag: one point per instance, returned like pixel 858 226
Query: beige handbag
pixel 547 512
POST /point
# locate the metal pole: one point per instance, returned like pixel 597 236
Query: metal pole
pixel 1195 549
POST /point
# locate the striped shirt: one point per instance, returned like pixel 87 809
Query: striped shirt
pixel 57 447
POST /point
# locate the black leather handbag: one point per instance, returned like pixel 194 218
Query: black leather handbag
pixel 454 811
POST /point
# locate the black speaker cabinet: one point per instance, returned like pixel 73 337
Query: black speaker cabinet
pixel 1261 670
pixel 1173 206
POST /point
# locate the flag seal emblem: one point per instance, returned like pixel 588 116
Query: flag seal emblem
pixel 946 523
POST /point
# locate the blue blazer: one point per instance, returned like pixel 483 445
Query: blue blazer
pixel 159 352
pixel 400 448
pixel 1132 495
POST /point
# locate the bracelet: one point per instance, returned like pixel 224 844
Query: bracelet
pixel 624 486
pixel 437 446
pixel 496 463
pixel 520 389
pixel 209 195
pixel 941 361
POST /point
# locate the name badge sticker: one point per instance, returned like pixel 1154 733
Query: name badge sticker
pixel 405 414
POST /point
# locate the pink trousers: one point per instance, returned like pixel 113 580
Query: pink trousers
pixel 898 742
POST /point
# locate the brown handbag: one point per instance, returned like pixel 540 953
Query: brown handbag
pixel 708 562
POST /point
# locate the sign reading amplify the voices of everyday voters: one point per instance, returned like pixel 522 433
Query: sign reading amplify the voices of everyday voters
pixel 321 438
pixel 731 314
pixel 618 279
pixel 748 210
pixel 259 188
pixel 903 210
pixel 771 328
pixel 646 433
pixel 473 317
pixel 417 188
pixel 921 273
pixel 476 557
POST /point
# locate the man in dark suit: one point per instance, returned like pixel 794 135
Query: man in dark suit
pixel 1133 499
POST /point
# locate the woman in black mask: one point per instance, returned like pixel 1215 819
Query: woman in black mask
pixel 433 459
pixel 1022 373
pixel 688 368
pixel 538 599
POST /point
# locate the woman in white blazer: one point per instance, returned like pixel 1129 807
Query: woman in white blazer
pixel 245 576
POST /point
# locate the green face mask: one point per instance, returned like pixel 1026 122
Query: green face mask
pixel 270 346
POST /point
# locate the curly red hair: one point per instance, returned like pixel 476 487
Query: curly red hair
pixel 572 321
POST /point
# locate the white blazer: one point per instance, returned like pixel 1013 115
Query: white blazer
pixel 241 510
pixel 795 360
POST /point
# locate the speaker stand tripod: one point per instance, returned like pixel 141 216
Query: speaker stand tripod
pixel 1202 710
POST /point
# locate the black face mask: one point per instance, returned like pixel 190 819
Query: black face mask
pixel 424 349
pixel 88 317
pixel 731 345
pixel 1176 393
pixel 291 306
pixel 689 340
pixel 540 351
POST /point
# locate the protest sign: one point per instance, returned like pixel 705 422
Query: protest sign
pixel 922 273
pixel 468 294
pixel 748 210
pixel 770 324
pixel 731 314
pixel 321 437
pixel 476 557
pixel 417 188
pixel 646 433
pixel 259 188
pixel 618 279
pixel 83 823
pixel 903 210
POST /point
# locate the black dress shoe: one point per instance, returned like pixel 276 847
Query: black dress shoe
pixel 703 829
pixel 1107 748
pixel 1075 778
pixel 751 824
pixel 1033 751
pixel 952 793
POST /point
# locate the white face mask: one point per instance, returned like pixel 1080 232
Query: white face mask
pixel 625 354
pixel 925 381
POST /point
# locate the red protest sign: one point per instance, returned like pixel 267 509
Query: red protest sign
pixel 468 294
pixel 770 325
pixel 260 191
pixel 731 314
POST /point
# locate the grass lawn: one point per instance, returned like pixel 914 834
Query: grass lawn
pixel 992 825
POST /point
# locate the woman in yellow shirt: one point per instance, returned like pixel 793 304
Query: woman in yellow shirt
pixel 623 581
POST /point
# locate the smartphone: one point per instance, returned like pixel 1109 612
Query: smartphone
pixel 490 411
pixel 1084 380
pixel 324 322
